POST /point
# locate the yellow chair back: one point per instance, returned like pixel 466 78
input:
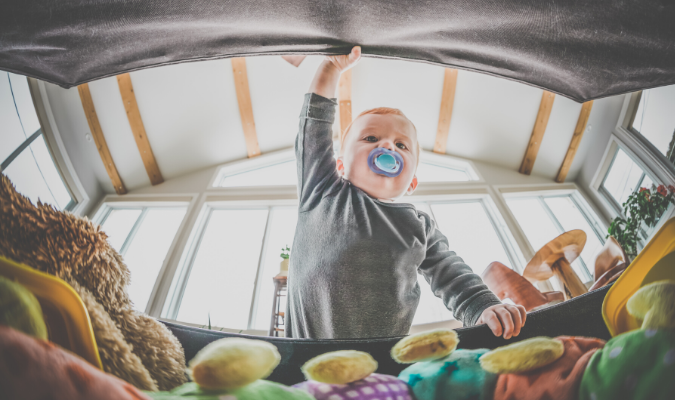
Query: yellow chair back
pixel 66 317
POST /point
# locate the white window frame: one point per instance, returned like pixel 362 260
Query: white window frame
pixel 582 205
pixel 282 156
pixel 653 163
pixel 56 147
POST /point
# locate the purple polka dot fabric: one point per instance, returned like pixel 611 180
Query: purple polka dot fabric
pixel 374 387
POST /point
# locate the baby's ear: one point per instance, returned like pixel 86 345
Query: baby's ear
pixel 340 166
pixel 413 186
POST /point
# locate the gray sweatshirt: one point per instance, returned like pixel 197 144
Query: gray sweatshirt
pixel 355 259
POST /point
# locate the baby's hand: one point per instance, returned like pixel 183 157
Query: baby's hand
pixel 344 62
pixel 504 319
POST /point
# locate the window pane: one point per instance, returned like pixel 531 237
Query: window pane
pixel 11 132
pixel 221 281
pixel 284 173
pixel 35 176
pixel 427 172
pixel 148 249
pixel 654 118
pixel 280 235
pixel 24 103
pixel 118 225
pixel 472 236
pixel 622 177
pixel 570 217
pixel 539 228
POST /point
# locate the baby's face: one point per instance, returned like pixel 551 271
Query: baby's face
pixel 392 132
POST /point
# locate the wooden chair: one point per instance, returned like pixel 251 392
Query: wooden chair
pixel 555 259
pixel 609 264
pixel 506 283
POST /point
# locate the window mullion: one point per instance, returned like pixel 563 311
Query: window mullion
pixel 259 273
pixel 177 296
pixel 20 149
pixel 500 235
pixel 132 233
pixel 562 230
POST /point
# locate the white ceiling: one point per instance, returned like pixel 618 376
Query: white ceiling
pixel 192 120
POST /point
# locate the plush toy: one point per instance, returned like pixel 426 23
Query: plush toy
pixel 349 375
pixel 635 365
pixel 20 309
pixel 233 369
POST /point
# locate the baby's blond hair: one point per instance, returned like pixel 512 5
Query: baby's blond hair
pixel 380 111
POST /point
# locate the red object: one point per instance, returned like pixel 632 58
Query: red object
pixel 671 188
pixel 662 190
pixel 559 380
pixel 35 369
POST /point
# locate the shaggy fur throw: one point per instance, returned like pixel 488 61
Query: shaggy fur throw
pixel 132 345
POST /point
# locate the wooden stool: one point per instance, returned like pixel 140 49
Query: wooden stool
pixel 278 316
pixel 506 283
pixel 555 259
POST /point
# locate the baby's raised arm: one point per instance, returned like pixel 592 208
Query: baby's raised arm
pixel 326 78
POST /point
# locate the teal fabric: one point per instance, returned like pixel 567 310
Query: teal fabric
pixel 633 366
pixel 258 390
pixel 458 376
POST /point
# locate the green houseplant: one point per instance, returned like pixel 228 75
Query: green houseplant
pixel 642 208
pixel 285 255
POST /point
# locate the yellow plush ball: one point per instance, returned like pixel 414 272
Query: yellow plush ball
pixel 654 304
pixel 233 363
pixel 522 356
pixel 425 346
pixel 340 367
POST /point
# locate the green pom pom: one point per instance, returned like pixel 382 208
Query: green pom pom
pixel 20 310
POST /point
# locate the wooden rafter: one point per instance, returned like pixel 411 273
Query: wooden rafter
pixel 136 123
pixel 245 106
pixel 576 140
pixel 345 99
pixel 99 139
pixel 544 113
pixel 445 115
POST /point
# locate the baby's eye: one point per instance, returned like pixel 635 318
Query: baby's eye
pixel 371 139
pixel 401 146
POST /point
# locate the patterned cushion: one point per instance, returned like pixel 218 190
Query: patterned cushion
pixel 375 386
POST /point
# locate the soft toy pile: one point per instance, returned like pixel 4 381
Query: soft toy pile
pixel 132 345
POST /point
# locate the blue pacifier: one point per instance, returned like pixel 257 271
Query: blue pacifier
pixel 385 162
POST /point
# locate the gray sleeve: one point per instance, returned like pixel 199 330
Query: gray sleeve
pixel 462 291
pixel 314 149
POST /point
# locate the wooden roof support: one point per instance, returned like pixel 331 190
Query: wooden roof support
pixel 136 123
pixel 245 106
pixel 576 140
pixel 447 102
pixel 99 139
pixel 345 99
pixel 545 108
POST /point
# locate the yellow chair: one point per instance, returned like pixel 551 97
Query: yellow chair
pixel 66 317
pixel 655 262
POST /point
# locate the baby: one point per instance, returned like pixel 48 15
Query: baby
pixel 357 251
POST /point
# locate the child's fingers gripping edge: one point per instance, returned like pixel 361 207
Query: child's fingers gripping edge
pixel 507 321
pixel 490 318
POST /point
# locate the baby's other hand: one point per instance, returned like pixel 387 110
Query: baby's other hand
pixel 504 319
pixel 344 62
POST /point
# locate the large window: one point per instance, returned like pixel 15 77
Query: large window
pixel 143 236
pixel 543 218
pixel 24 155
pixel 654 119
pixel 279 169
pixel 477 234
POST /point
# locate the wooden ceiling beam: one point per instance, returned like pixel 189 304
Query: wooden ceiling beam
pixel 345 99
pixel 99 139
pixel 245 106
pixel 538 131
pixel 136 123
pixel 575 142
pixel 445 115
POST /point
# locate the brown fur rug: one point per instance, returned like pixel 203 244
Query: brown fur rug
pixel 132 345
